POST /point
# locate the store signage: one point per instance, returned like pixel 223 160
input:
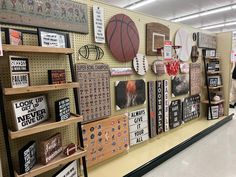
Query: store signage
pixel 70 170
pixel 56 76
pixel 152 109
pixel 98 20
pixel 62 109
pixel 166 106
pixel 175 114
pixel 159 106
pixel 167 50
pixel 191 108
pixel 29 112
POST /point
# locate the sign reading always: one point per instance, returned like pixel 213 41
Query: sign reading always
pixel 166 106
pixel 138 126
pixel 98 18
pixel 191 108
pixel 30 112
pixel 71 170
pixel 152 109
pixel 175 114
pixel 159 106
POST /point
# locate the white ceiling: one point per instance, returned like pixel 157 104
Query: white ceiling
pixel 169 9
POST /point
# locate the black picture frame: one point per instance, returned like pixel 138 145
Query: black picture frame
pixel 8 36
pixel 213 82
pixel 64 35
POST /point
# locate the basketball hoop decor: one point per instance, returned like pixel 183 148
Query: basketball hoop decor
pixel 140 64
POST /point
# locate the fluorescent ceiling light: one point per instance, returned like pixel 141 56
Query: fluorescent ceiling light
pixel 186 18
pixel 139 4
pixel 230 24
pixel 215 11
pixel 219 25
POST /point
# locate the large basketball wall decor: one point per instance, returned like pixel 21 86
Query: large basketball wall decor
pixel 152 109
pixel 183 39
pixel 175 114
pixel 140 64
pixel 159 106
pixel 130 93
pixel 191 108
pixel 166 106
pixel 138 126
pixel 156 35
pixel 180 85
pixel 122 37
pixel 206 41
pixel 94 92
pixel 195 78
pixel 106 138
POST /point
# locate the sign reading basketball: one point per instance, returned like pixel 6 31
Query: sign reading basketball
pixel 122 38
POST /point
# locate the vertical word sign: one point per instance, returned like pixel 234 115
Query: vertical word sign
pixel 98 19
pixel 166 107
pixel 159 106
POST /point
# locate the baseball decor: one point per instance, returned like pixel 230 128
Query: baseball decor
pixel 152 122
pixel 98 23
pixel 156 35
pixel 14 37
pixel 159 68
pixel 56 76
pixel 140 64
pixel 194 54
pixel 105 138
pixel 191 108
pixel 27 157
pixel 184 68
pixel 138 126
pixel 70 149
pixel 195 78
pixel 50 148
pixel 180 85
pixel 206 41
pixel 121 71
pixel 91 52
pixel 175 114
pixel 122 38
pixel 62 109
pixel 166 106
pixel 172 67
pixel 159 106
pixel 70 170
pixel 130 93
pixel 29 112
pixel 184 40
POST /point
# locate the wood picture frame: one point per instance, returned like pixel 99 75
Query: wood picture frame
pixel 57 76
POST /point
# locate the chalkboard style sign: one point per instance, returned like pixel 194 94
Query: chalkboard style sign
pixel 62 109
pixel 50 148
pixel 27 157
pixel 152 109
pixel 159 106
pixel 138 126
pixel 29 112
pixel 56 76
pixel 166 106
pixel 191 108
pixel 14 37
pixel 70 170
pixel 175 114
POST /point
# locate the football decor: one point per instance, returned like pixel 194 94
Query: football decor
pixel 166 106
pixel 159 106
pixel 152 109
pixel 70 170
pixel 56 76
pixel 70 149
pixel 29 112
pixel 175 114
pixel 14 37
pixel 140 64
pixel 62 109
pixel 191 108
pixel 91 52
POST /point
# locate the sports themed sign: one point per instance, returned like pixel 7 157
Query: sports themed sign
pixel 138 126
pixel 152 109
pixel 195 78
pixel 159 106
pixel 180 85
pixel 98 21
pixel 94 92
pixel 191 108
pixel 29 112
pixel 70 170
pixel 213 66
pixel 56 76
pixel 215 112
pixel 175 114
pixel 105 138
pixel 166 106
pixel 206 41
pixel 62 109
pixel 50 148
pixel 140 64
pixel 121 71
pixel 14 37
pixel 27 157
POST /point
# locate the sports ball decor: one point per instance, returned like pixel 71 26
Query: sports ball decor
pixel 27 157
pixel 122 38
pixel 206 41
pixel 175 114
pixel 184 68
pixel 140 64
pixel 156 35
pixel 138 126
pixel 106 138
pixel 159 105
pixel 152 109
pixel 195 78
pixel 184 40
pixel 121 71
pixel 70 149
pixel 172 67
pixel 130 93
pixel 62 109
pixel 70 170
pixel 191 108
pixel 29 112
pixel 180 85
pixel 166 106
pixel 194 54
pixel 94 92
pixel 50 148
pixel 159 68
pixel 91 52
pixel 56 76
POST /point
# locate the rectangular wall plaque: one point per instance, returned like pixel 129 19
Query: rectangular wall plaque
pixel 175 114
pixel 206 41
pixel 56 76
pixel 70 170
pixel 159 106
pixel 62 109
pixel 166 106
pixel 152 109
pixel 191 108
pixel 98 21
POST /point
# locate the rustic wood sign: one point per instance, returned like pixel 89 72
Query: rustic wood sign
pixel 175 114
pixel 70 170
pixel 29 112
pixel 152 109
pixel 195 78
pixel 159 106
pixel 61 14
pixel 191 108
pixel 62 109
pixel 180 85
pixel 56 76
pixel 206 41
pixel 50 148
pixel 138 126
pixel 166 106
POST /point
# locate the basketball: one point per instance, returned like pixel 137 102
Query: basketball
pixel 122 38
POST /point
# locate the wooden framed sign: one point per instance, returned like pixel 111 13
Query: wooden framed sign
pixel 14 37
pixel 19 80
pixel 98 21
pixel 191 108
pixel 70 170
pixel 213 66
pixel 159 106
pixel 152 109
pixel 138 126
pixel 166 106
pixel 62 109
pixel 57 76
pixel 29 112
pixel 175 113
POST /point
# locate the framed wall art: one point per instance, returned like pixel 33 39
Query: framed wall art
pixel 152 109
pixel 215 80
pixel 159 68
pixel 159 106
pixel 61 14
pixel 14 37
pixel 195 78
pixel 191 108
pixel 70 170
pixel 206 41
pixel 56 76
pixel 175 114
pixel 180 85
pixel 213 66
pixel 215 112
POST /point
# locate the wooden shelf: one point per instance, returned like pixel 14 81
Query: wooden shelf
pixel 45 126
pixel 214 88
pixel 213 72
pixel 212 58
pixel 213 102
pixel 40 88
pixel 61 160
pixel 36 49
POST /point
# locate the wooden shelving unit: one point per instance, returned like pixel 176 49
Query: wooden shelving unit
pixel 40 88
pixel 213 102
pixel 57 162
pixel 45 126
pixel 214 88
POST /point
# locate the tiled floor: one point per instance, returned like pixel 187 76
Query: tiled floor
pixel 213 156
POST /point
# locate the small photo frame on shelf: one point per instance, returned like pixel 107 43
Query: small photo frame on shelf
pixel 215 112
pixel 19 80
pixel 19 64
pixel 56 76
pixel 213 82
pixel 50 38
pixel 213 66
pixel 62 109
pixel 70 170
pixel 14 37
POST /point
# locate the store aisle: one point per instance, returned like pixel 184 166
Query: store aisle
pixel 213 156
